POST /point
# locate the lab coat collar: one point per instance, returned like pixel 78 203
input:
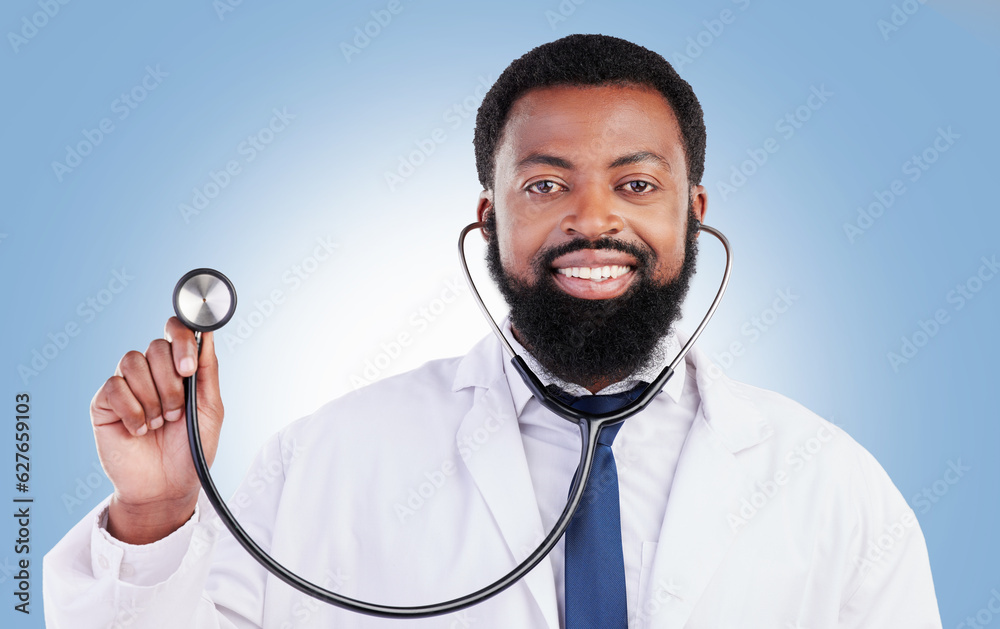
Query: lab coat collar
pixel 728 410
pixel 707 486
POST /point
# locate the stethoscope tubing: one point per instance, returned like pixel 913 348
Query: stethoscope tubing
pixel 589 433
pixel 590 427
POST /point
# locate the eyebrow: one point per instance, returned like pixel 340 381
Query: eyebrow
pixel 558 162
pixel 541 158
pixel 640 157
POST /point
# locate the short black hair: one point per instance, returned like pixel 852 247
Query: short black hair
pixel 588 60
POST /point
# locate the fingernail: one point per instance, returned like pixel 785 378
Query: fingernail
pixel 141 431
pixel 156 423
pixel 187 365
pixel 173 415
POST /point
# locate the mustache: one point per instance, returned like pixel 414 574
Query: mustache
pixel 645 256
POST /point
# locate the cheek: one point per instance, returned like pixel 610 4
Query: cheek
pixel 519 242
pixel 508 253
pixel 669 249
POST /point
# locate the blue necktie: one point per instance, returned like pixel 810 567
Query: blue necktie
pixel 595 567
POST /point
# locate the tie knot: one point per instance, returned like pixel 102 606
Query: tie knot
pixel 607 435
pixel 597 404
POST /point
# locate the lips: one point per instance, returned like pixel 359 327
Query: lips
pixel 594 274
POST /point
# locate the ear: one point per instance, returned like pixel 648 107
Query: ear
pixel 483 207
pixel 699 203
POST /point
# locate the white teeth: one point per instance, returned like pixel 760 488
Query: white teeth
pixel 596 274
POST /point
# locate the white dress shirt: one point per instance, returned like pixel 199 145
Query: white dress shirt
pixel 646 450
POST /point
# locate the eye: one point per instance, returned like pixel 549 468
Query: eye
pixel 545 186
pixel 639 186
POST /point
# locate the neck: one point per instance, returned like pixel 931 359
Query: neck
pixel 597 385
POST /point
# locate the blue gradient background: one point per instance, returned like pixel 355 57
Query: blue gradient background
pixel 324 177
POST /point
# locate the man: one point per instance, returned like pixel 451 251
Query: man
pixel 729 506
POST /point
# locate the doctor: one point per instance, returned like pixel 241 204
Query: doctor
pixel 733 506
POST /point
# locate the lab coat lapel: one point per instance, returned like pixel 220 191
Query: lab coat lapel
pixel 708 484
pixel 494 456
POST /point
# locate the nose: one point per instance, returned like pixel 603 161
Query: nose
pixel 591 212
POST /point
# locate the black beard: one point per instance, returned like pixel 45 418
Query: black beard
pixel 591 341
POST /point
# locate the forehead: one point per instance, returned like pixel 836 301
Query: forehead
pixel 591 121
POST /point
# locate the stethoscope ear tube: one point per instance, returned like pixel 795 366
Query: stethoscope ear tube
pixel 590 426
pixel 558 406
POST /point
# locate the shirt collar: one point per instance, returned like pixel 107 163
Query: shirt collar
pixel 669 347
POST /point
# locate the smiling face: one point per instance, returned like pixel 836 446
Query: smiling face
pixel 590 204
pixel 591 162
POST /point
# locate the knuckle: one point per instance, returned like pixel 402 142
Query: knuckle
pixel 134 412
pixel 116 387
pixel 106 388
pixel 150 404
pixel 127 407
pixel 161 365
pixel 167 382
pixel 158 348
pixel 170 385
pixel 132 361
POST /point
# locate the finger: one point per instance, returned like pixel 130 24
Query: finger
pixel 169 384
pixel 209 399
pixel 135 370
pixel 114 402
pixel 183 346
pixel 208 372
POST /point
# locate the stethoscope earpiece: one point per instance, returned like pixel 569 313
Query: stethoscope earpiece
pixel 204 300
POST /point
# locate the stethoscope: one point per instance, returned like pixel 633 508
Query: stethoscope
pixel 205 300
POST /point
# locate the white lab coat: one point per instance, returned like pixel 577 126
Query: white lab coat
pixel 776 519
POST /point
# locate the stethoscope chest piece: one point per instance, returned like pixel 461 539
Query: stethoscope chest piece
pixel 204 300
